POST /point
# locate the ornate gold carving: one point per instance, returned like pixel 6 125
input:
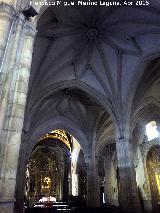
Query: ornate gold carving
pixel 60 135
pixel 153 169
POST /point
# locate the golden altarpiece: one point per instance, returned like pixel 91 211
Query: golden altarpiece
pixel 48 170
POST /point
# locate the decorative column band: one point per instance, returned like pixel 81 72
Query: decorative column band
pixel 8 202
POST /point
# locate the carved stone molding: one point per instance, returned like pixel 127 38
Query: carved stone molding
pixel 146 146
pixel 6 11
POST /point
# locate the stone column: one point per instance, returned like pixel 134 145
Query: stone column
pixel 13 122
pixel 66 181
pixel 69 180
pixel 21 176
pixel 8 19
pixel 128 193
pixel 7 14
pixel 108 177
pixel 10 69
pixel 61 179
pixel 93 189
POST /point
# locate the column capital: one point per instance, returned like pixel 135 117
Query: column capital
pixel 7 11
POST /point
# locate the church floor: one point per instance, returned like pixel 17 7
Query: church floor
pixel 76 209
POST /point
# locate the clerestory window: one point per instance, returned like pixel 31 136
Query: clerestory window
pixel 151 130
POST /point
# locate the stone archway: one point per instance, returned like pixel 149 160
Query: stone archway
pixel 26 153
pixel 50 159
pixel 153 169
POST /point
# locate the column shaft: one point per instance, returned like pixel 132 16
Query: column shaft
pixel 128 194
pixel 7 14
pixel 93 189
pixel 14 108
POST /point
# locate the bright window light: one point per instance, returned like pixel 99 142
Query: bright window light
pixel 151 130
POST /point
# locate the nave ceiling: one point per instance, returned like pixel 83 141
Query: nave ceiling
pixel 87 63
pixel 102 49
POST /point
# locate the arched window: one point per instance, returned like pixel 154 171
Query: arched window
pixel 151 130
